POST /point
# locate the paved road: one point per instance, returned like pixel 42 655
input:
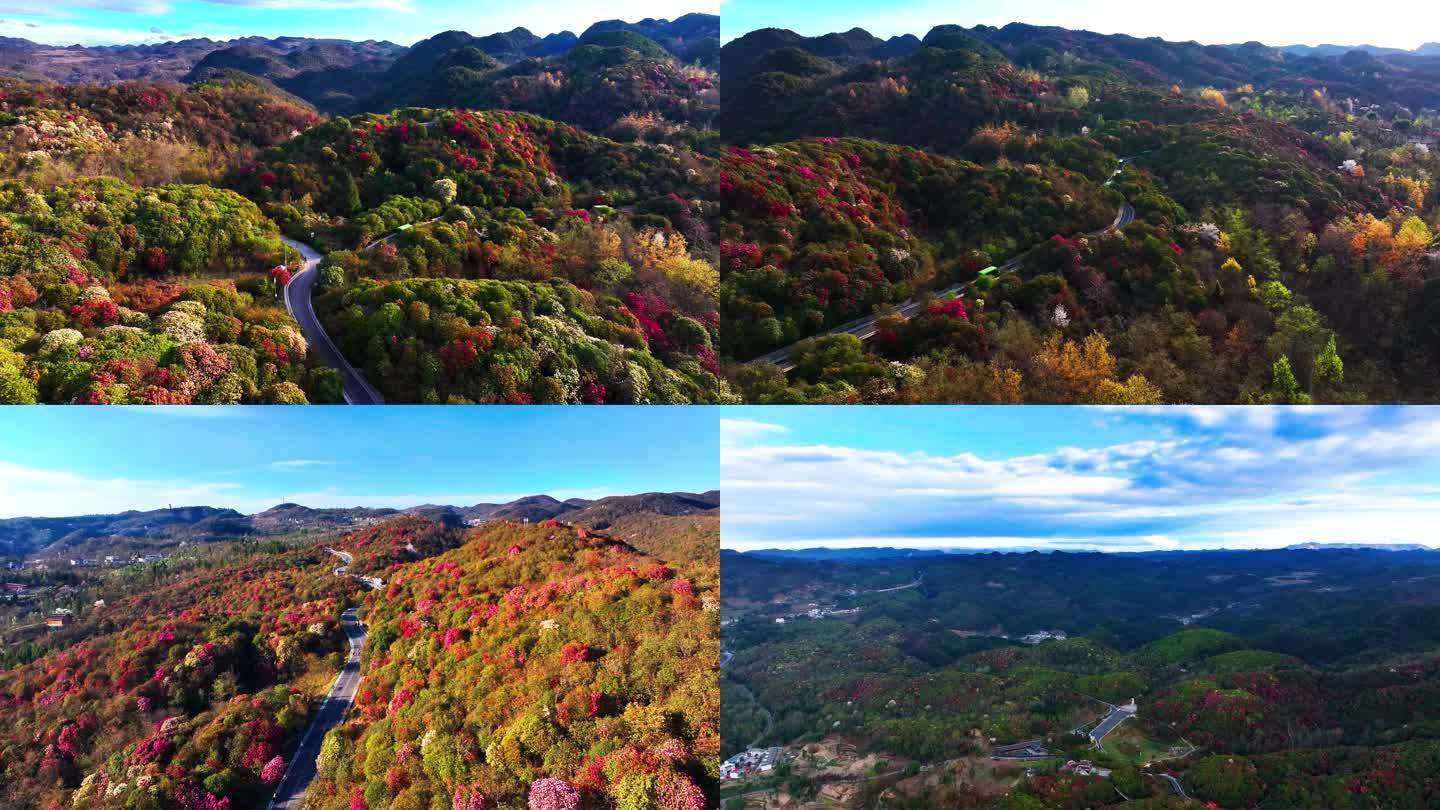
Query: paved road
pixel 298 294
pixel 346 560
pixel 384 239
pixel 1117 715
pixel 865 328
pixel 920 580
pixel 1173 782
pixel 290 793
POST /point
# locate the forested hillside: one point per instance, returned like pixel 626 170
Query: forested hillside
pixel 183 692
pixel 1282 248
pixel 475 254
pixel 506 662
pixel 1263 679
pixel 557 266
pixel 537 663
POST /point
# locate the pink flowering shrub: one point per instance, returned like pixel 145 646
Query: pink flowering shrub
pixel 273 771
pixel 468 797
pixel 554 794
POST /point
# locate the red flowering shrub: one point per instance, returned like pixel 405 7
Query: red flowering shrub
pixel 947 308
pixel 94 312
pixel 574 652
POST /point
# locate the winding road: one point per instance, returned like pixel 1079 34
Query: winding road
pixel 865 328
pixel 298 299
pixel 290 793
pixel 1173 783
pixel 769 718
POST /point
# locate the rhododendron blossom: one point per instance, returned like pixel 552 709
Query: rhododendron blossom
pixel 948 308
pixel 468 797
pixel 574 652
pixel 273 771
pixel 554 794
pixel 677 792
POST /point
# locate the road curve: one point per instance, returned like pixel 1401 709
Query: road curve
pixel 1173 782
pixel 298 299
pixel 290 793
pixel 865 328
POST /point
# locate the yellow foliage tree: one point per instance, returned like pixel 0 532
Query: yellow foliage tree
pixel 1134 391
pixel 1231 266
pixel 582 246
pixel 1412 189
pixel 1372 236
pixel 1070 372
pixel 695 272
pixel 1212 96
pixel 651 247
pixel 1412 237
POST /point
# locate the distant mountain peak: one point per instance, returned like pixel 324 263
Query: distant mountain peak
pixel 1358 547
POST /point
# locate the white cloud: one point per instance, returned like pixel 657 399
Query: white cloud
pixel 63 8
pixel 737 431
pixel 332 5
pixel 37 492
pixel 300 463
pixel 53 33
pixel 1224 477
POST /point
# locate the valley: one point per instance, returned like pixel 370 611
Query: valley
pixel 931 696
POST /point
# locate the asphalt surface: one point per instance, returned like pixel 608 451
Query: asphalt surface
pixel 387 239
pixel 1113 719
pixel 865 328
pixel 373 583
pixel 290 793
pixel 298 294
pixel 1173 782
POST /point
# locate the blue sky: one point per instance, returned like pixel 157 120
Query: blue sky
pixel 68 461
pixel 1402 24
pixel 97 22
pixel 1135 479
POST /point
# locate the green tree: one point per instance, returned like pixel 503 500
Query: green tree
pixel 15 389
pixel 1329 368
pixel 1283 385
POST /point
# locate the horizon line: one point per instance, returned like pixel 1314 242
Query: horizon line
pixel 964 552
pixel 512 499
pixel 197 36
pixel 726 40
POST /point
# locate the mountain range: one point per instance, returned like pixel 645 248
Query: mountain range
pixel 126 531
pixel 886 553
pixel 342 76
pixel 1407 78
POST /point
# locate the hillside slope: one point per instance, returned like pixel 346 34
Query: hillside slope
pixel 533 661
